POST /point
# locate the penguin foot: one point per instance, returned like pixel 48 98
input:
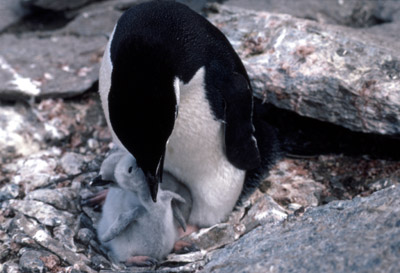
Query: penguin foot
pixel 189 230
pixel 183 247
pixel 97 200
pixel 142 261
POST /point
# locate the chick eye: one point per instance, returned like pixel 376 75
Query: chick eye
pixel 130 169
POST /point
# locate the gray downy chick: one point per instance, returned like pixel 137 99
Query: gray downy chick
pixel 170 183
pixel 136 230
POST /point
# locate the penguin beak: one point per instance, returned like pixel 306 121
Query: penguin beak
pixel 98 181
pixel 152 181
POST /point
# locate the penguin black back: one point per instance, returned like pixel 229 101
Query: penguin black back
pixel 153 45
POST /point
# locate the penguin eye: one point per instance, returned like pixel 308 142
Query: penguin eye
pixel 130 169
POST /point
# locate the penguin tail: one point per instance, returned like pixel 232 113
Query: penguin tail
pixel 269 147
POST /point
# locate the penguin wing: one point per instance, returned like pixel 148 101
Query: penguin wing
pixel 237 99
pixel 178 215
pixel 122 222
pixel 176 211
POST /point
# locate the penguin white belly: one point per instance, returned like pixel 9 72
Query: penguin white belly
pixel 195 155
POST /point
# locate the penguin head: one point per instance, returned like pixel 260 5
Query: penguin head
pixel 143 119
pixel 129 176
pixel 106 174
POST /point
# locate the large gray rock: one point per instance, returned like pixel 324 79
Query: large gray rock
pixel 11 12
pixel 361 235
pixel 355 13
pixel 56 5
pixel 330 73
pixel 41 67
pixel 60 63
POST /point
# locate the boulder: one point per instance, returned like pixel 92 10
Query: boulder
pixel 355 13
pixel 360 235
pixel 55 5
pixel 11 12
pixel 48 66
pixel 331 73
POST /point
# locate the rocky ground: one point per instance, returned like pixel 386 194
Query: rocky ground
pixel 311 214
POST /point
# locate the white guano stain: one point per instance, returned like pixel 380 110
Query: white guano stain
pixel 280 38
pixel 25 85
pixel 40 236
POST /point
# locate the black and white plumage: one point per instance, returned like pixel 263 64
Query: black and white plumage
pixel 132 224
pixel 178 98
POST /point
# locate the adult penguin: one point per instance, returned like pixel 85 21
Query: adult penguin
pixel 178 98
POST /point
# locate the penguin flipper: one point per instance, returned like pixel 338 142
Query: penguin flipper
pixel 240 143
pixel 179 216
pixel 121 223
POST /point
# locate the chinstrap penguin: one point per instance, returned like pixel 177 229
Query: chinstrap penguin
pixel 178 98
pixel 136 230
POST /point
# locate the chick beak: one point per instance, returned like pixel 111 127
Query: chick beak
pixel 98 181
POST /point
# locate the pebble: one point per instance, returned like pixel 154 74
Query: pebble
pixel 30 262
pixel 9 191
pixel 85 235
pixel 72 163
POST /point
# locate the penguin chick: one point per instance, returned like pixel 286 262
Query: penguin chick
pixel 137 230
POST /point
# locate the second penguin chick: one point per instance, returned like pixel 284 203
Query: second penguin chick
pixel 136 230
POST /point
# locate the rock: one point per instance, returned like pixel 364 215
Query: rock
pixel 9 267
pixel 191 262
pixel 9 191
pixel 197 5
pixel 186 258
pixel 38 261
pixel 11 12
pixel 44 238
pixel 215 237
pixel 65 235
pixel 72 163
pixel 264 210
pixel 383 183
pixel 51 261
pixel 355 13
pixel 290 182
pixel 100 263
pixel 34 172
pixel 326 72
pixel 60 66
pixel 62 199
pixel 18 132
pixel 85 235
pixel 55 5
pixel 98 20
pixel 389 10
pixel 329 238
pixel 30 262
pixel 45 214
pixel 85 221
pixel 4 252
